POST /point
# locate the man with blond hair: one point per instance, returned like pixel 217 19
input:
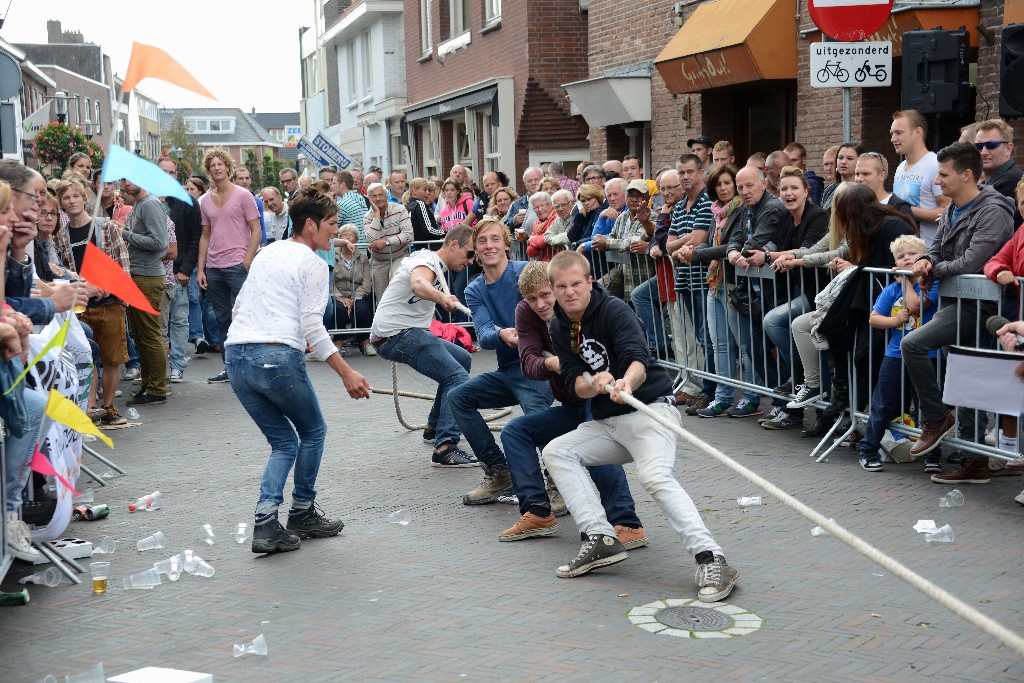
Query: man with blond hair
pixel 915 178
pixel 721 153
pixel 231 235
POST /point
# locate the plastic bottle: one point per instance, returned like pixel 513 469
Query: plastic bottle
pixel 748 501
pixel 150 502
pixel 132 414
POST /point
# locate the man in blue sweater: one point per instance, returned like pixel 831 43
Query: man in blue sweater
pixel 493 298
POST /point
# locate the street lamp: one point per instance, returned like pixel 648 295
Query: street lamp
pixel 87 129
pixel 178 153
pixel 60 99
pixel 138 147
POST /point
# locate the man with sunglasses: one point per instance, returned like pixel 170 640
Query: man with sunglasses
pixel 994 140
pixel 602 355
pixel 401 334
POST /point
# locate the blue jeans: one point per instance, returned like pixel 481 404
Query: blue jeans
pixel 647 303
pixel 337 316
pixel 441 361
pixel 133 353
pixel 177 329
pixel 20 449
pixel 499 389
pixel 222 287
pixel 524 435
pixel 271 383
pixel 202 323
pixel 747 331
pixel 723 341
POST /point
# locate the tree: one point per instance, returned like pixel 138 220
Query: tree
pixel 177 137
pixel 272 171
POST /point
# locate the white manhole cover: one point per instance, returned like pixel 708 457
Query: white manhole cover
pixel 694 619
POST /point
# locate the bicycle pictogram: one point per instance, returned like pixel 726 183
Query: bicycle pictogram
pixel 835 70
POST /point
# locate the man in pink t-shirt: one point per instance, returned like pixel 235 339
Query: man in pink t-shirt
pixel 231 235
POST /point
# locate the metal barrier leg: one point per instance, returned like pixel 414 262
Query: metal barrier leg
pixel 106 461
pixel 58 560
pixel 98 479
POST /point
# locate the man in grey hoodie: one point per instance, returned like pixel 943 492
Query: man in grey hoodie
pixel 975 225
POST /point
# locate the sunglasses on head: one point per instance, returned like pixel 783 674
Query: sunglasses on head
pixel 991 144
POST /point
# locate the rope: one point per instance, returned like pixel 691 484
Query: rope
pixel 929 589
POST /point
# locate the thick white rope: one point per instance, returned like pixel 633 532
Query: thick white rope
pixel 943 597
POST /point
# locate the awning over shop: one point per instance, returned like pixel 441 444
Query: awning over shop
pixel 619 96
pixel 729 42
pixel 467 101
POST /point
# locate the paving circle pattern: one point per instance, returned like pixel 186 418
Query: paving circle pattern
pixel 694 619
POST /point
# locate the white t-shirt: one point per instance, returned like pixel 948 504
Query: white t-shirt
pixel 399 309
pixel 917 185
pixel 283 300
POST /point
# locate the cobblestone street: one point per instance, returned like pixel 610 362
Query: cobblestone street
pixel 441 600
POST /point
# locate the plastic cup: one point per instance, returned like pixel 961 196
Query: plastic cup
pixel 944 534
pixel 953 499
pixel 207 535
pixel 243 532
pixel 151 542
pixel 100 571
pixel 50 577
pixel 748 501
pixel 197 566
pixel 401 516
pixel 143 580
pixel 172 566
pixel 105 546
pixel 256 646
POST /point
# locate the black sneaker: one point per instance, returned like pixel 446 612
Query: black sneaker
pixel 453 456
pixel 805 396
pixel 145 399
pixel 715 578
pixel 273 538
pixel 783 420
pixel 933 463
pixel 597 550
pixel 871 463
pixel 202 346
pixel 314 524
pixel 429 435
pixel 218 378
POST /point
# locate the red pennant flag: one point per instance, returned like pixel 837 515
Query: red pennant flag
pixel 41 464
pixel 99 270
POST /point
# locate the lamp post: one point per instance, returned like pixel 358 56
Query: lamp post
pixel 60 99
pixel 138 147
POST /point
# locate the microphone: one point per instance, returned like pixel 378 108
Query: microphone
pixel 995 322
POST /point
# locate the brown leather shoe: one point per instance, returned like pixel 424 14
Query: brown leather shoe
pixel 630 537
pixel 932 434
pixel 529 525
pixel 683 398
pixel 971 471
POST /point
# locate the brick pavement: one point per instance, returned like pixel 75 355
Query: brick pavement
pixel 442 600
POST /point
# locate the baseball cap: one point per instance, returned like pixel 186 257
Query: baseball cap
pixel 638 185
pixel 701 140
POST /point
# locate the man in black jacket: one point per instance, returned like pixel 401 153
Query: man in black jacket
pixel 596 334
pixel 188 228
pixel 994 141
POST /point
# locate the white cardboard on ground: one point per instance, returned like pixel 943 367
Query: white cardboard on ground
pixel 156 674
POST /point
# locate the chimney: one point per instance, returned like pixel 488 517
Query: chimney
pixel 54 35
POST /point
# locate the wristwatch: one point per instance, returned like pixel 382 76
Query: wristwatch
pixel 767 257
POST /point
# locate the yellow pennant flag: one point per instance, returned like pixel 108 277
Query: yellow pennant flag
pixel 58 340
pixel 66 412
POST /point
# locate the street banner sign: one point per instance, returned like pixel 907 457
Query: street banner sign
pixel 329 151
pixel 292 135
pixel 849 20
pixel 307 149
pixel 851 65
pixel 34 122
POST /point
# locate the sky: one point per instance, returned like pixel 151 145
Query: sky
pixel 245 53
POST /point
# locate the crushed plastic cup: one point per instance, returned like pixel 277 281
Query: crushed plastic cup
pixel 400 516
pixel 243 532
pixel 151 542
pixel 207 535
pixel 748 501
pixel 925 526
pixel 818 531
pixel 143 580
pixel 50 577
pixel 953 499
pixel 943 534
pixel 172 567
pixel 150 502
pixel 256 646
pixel 132 414
pixel 105 546
pixel 93 675
pixel 197 566
pixel 86 496
pixel 49 678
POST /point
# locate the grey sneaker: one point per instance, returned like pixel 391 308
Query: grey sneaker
pixel 772 414
pixel 783 420
pixel 131 374
pixel 313 523
pixel 715 579
pixel 176 376
pixel 219 378
pixel 453 456
pixel 274 538
pixel 497 483
pixel 597 550
pixel 558 508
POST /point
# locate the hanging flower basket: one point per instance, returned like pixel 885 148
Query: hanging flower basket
pixel 56 142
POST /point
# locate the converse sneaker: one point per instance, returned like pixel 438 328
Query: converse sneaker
pixel 933 463
pixel 529 525
pixel 871 462
pixel 783 421
pixel 271 537
pixel 715 578
pixel 558 508
pixel 597 550
pixel 497 482
pixel 772 414
pixel 697 404
pixel 745 409
pixel 631 538
pixel 453 456
pixel 202 346
pixel 112 418
pixel 131 374
pixel 805 396
pixel 312 523
pixel 715 409
pixel 19 539
pixel 176 376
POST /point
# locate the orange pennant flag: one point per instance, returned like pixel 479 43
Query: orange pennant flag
pixel 99 270
pixel 152 62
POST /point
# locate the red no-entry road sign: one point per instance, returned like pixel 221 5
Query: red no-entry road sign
pixel 849 20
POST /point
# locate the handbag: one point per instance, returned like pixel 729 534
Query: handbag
pixel 740 299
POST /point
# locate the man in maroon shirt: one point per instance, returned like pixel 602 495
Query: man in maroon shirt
pixel 524 435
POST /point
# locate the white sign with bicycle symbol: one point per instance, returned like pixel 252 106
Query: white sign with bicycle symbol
pixel 851 65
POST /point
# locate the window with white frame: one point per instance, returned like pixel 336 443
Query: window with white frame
pixel 399 157
pixel 458 17
pixel 461 146
pixel 96 118
pixel 367 64
pixel 492 145
pixel 350 59
pixel 492 11
pixel 426 133
pixel 426 28
pixel 212 125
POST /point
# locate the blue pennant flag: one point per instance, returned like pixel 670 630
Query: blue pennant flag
pixel 120 163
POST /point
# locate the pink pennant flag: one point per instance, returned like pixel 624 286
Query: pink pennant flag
pixel 41 464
